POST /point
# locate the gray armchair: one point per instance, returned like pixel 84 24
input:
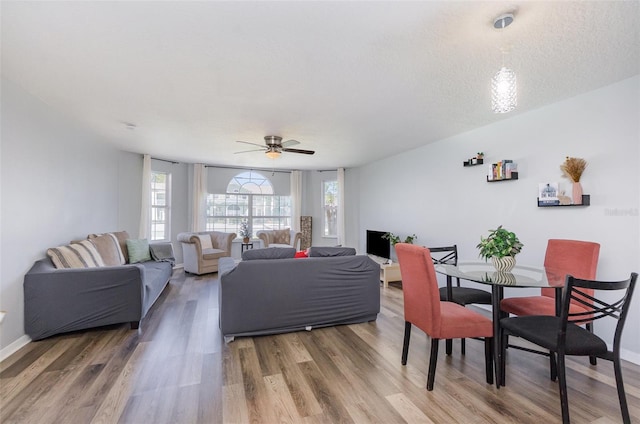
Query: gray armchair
pixel 202 250
pixel 280 238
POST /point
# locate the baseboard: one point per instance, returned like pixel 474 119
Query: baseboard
pixel 178 266
pixel 14 347
pixel 630 356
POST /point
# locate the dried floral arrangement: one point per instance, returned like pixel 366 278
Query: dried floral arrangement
pixel 573 168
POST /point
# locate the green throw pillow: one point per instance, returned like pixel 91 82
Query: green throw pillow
pixel 138 250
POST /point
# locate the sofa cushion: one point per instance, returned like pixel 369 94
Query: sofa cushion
pixel 269 253
pixel 138 250
pixel 109 249
pixel 77 255
pixel 324 251
pixel 214 253
pixel 205 241
pixel 281 236
pixel 122 237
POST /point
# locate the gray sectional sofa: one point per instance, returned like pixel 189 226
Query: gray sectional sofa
pixel 62 300
pixel 271 292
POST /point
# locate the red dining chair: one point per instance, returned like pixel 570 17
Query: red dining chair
pixel 439 320
pixel 573 257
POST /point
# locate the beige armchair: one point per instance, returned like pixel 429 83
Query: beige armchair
pixel 280 238
pixel 202 250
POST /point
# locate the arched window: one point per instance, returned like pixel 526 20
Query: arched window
pixel 249 197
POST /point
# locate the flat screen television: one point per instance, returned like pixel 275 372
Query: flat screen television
pixel 378 246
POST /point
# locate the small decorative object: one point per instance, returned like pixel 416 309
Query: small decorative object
pixel 244 231
pixel 564 199
pixel 480 155
pixel 548 194
pixel 501 246
pixel 573 168
pixel 393 238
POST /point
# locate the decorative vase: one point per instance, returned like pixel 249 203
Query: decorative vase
pixel 245 240
pixel 504 264
pixel 577 193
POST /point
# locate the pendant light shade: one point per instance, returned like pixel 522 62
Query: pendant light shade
pixel 504 94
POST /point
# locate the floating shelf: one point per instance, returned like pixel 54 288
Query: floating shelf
pixel 586 201
pixel 473 162
pixel 514 176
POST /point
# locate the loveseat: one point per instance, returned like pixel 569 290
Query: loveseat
pixel 201 251
pixel 271 292
pixel 59 300
pixel 280 238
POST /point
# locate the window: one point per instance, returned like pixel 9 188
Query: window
pixel 330 208
pixel 249 196
pixel 160 206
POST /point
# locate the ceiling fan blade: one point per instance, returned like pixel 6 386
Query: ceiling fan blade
pixel 290 143
pixel 305 152
pixel 253 144
pixel 247 151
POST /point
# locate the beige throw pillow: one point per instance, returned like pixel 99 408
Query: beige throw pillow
pixel 282 236
pixel 77 255
pixel 109 249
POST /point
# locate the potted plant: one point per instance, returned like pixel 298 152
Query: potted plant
pixel 393 238
pixel 501 246
pixel 244 231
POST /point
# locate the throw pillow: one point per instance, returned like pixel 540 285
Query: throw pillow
pixel 122 237
pixel 77 255
pixel 325 251
pixel 269 253
pixel 138 250
pixel 301 254
pixel 205 241
pixel 282 236
pixel 108 247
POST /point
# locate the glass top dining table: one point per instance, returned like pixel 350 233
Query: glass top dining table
pixel 521 276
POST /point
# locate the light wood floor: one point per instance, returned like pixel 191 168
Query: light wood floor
pixel 177 369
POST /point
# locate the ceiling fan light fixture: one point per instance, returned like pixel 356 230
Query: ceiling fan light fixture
pixel 272 154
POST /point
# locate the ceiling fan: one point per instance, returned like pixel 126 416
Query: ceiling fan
pixel 274 146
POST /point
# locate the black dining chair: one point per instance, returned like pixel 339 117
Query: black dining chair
pixel 563 335
pixel 460 295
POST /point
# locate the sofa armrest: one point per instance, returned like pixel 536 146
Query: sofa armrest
pixel 295 237
pixel 262 235
pixel 222 240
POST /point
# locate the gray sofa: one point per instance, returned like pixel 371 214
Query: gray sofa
pixel 283 294
pixel 62 300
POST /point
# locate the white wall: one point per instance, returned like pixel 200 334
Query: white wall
pixel 428 192
pixel 58 183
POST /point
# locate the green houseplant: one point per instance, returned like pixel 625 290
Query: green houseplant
pixel 501 246
pixel 393 238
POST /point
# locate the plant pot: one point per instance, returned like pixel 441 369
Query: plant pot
pixel 245 240
pixel 577 193
pixel 504 264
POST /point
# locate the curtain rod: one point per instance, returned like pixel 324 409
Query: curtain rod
pixel 284 171
pixel 166 160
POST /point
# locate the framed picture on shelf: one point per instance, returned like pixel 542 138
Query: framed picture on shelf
pixel 548 194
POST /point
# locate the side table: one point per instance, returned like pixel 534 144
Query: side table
pixel 245 246
pixel 390 272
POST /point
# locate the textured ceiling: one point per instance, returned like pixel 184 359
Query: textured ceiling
pixel 354 81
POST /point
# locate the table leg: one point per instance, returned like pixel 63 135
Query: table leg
pixel 496 296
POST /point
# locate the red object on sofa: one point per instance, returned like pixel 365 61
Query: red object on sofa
pixel 301 254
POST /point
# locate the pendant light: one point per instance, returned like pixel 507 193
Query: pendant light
pixel 504 96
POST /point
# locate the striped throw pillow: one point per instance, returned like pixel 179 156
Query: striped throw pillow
pixel 108 247
pixel 76 255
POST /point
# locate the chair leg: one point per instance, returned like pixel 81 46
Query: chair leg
pixel 592 359
pixel 503 357
pixel 405 345
pixel 624 409
pixel 553 367
pixel 488 358
pixel 564 401
pixel 433 358
pixel 449 346
pixel 463 349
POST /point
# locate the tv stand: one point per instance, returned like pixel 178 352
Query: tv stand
pixel 389 272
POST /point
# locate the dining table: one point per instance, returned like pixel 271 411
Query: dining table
pixel 521 276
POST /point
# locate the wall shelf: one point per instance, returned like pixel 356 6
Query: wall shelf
pixel 586 201
pixel 514 176
pixel 473 162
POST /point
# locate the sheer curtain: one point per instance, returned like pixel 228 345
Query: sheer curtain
pixel 341 234
pixel 198 220
pixel 296 199
pixel 145 208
